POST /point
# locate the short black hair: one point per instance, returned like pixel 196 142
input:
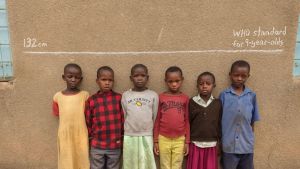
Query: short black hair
pixel 240 63
pixel 138 66
pixel 74 65
pixel 104 68
pixel 206 74
pixel 173 69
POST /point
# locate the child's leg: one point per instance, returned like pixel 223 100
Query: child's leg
pixel 146 160
pixel 97 158
pixel 211 157
pixel 165 152
pixel 177 152
pixel 246 161
pixel 130 153
pixel 193 157
pixel 138 152
pixel 113 159
pixel 230 160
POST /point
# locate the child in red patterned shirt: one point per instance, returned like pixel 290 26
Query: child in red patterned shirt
pixel 104 119
pixel 172 129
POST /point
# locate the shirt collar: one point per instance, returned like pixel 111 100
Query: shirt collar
pixel 201 102
pixel 231 90
pixel 105 93
pixel 199 98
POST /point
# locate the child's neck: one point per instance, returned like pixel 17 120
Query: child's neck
pixel 71 91
pixel 173 93
pixel 101 91
pixel 139 89
pixel 238 90
pixel 205 97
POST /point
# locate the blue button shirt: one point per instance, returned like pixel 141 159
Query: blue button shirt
pixel 239 112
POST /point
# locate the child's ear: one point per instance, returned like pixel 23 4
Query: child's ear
pixel 63 77
pixel 182 78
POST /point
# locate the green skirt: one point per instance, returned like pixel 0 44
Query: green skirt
pixel 138 152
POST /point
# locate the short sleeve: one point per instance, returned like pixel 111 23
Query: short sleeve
pixel 221 97
pixel 86 95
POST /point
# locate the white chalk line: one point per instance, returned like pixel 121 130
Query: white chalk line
pixel 275 51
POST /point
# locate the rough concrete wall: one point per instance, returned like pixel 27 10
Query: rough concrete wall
pixel 28 130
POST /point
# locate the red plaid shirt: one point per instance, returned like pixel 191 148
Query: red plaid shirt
pixel 104 119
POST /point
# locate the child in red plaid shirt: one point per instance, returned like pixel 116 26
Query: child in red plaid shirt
pixel 104 119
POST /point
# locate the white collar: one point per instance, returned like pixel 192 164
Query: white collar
pixel 201 102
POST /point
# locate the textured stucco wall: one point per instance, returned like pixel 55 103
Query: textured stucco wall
pixel 27 128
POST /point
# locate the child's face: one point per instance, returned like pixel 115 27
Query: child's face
pixel 206 85
pixel 139 77
pixel 174 81
pixel 73 77
pixel 105 80
pixel 239 76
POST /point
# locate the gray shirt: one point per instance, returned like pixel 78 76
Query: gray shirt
pixel 140 109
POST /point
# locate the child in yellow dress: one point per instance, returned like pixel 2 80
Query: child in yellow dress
pixel 68 105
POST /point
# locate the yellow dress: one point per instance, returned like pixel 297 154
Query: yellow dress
pixel 72 140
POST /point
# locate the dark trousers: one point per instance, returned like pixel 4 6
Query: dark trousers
pixel 105 159
pixel 237 161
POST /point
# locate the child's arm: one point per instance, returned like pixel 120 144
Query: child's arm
pixel 219 139
pixel 187 127
pixel 219 129
pixel 122 119
pixel 124 106
pixel 156 124
pixel 156 130
pixel 252 125
pixel 88 117
pixel 255 113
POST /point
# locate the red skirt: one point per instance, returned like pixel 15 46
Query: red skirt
pixel 202 158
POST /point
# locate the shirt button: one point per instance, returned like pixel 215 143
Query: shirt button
pixel 237 137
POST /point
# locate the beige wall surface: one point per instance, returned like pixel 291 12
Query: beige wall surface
pixel 197 35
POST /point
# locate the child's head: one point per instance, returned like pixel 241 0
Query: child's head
pixel 174 79
pixel 239 73
pixel 105 78
pixel 72 76
pixel 206 82
pixel 139 76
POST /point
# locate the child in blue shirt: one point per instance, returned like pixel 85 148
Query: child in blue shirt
pixel 240 111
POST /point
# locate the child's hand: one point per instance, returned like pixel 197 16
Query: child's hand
pixel 156 148
pixel 219 149
pixel 186 149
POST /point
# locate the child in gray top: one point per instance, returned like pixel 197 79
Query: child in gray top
pixel 140 107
